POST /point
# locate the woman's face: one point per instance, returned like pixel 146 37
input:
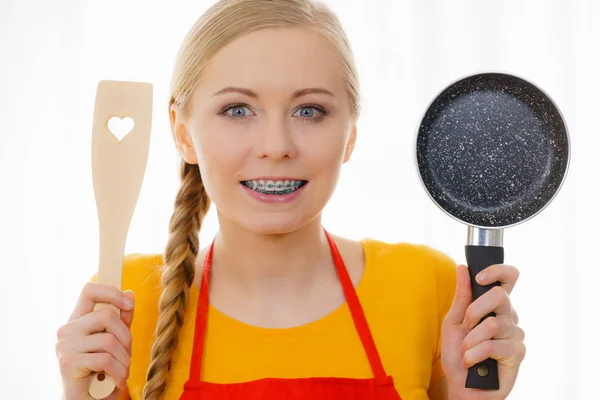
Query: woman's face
pixel 269 127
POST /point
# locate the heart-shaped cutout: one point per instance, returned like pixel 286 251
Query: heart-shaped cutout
pixel 120 127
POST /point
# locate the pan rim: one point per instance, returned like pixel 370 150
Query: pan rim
pixel 560 113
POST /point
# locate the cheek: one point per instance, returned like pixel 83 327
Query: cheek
pixel 327 153
pixel 215 159
pixel 220 158
pixel 216 172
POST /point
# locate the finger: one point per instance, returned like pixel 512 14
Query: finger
pixel 462 297
pixel 515 316
pixel 97 343
pixel 104 320
pixel 492 328
pixel 507 275
pixel 94 293
pixel 80 365
pixel 127 315
pixel 509 353
pixel 106 343
pixel 495 300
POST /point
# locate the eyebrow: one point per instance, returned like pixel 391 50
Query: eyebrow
pixel 297 93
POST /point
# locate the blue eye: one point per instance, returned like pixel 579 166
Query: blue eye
pixel 238 111
pixel 307 112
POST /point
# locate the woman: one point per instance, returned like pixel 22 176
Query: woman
pixel 263 111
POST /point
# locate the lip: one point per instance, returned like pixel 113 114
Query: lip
pixel 273 178
pixel 274 198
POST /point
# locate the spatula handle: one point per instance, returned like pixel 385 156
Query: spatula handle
pixel 102 384
pixel 112 243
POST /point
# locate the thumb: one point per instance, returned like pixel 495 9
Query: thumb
pixel 462 296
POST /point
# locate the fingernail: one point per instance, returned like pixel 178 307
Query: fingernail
pixel 481 277
pixel 128 302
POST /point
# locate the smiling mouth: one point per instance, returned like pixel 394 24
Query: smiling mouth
pixel 274 187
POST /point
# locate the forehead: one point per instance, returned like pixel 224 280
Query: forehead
pixel 283 59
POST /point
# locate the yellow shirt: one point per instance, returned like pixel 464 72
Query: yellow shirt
pixel 406 290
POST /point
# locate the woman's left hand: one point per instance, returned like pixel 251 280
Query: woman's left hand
pixel 464 343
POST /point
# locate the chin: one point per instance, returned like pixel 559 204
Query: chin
pixel 273 225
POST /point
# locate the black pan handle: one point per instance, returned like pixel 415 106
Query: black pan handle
pixel 483 375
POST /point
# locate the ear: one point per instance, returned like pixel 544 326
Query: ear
pixel 350 144
pixel 183 140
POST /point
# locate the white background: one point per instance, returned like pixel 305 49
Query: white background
pixel 53 53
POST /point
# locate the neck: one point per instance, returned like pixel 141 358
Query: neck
pixel 260 264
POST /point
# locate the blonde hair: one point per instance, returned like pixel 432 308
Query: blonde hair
pixel 219 25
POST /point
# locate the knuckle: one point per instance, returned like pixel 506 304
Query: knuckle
pixel 89 289
pixel 499 293
pixel 128 340
pixel 58 348
pixel 65 361
pixel 107 316
pixel 520 351
pixel 469 313
pixel 520 333
pixel 105 361
pixel 516 273
pixel 512 271
pixel 492 326
pixel 109 341
pixel 124 373
pixel 515 316
pixel 62 331
pixel 500 296
pixel 488 347
pixel 121 373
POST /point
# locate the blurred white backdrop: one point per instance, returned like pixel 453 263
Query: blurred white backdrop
pixel 52 55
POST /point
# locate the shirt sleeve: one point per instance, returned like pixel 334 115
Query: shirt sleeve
pixel 446 287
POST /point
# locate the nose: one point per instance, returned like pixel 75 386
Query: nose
pixel 275 141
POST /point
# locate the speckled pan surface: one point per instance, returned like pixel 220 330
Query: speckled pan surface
pixel 492 150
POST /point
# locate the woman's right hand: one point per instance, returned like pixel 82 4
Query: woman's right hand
pixel 95 341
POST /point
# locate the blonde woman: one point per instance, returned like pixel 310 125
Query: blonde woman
pixel 265 100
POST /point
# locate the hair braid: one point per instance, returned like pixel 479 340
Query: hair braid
pixel 191 205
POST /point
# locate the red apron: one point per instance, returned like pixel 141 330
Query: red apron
pixel 380 387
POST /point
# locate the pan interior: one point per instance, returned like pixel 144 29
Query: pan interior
pixel 492 150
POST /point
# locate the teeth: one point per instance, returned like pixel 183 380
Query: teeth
pixel 274 187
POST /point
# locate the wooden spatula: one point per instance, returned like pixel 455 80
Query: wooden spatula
pixel 118 166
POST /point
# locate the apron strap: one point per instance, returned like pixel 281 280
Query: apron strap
pixel 358 316
pixel 201 318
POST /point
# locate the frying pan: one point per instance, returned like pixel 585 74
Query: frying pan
pixel 492 151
